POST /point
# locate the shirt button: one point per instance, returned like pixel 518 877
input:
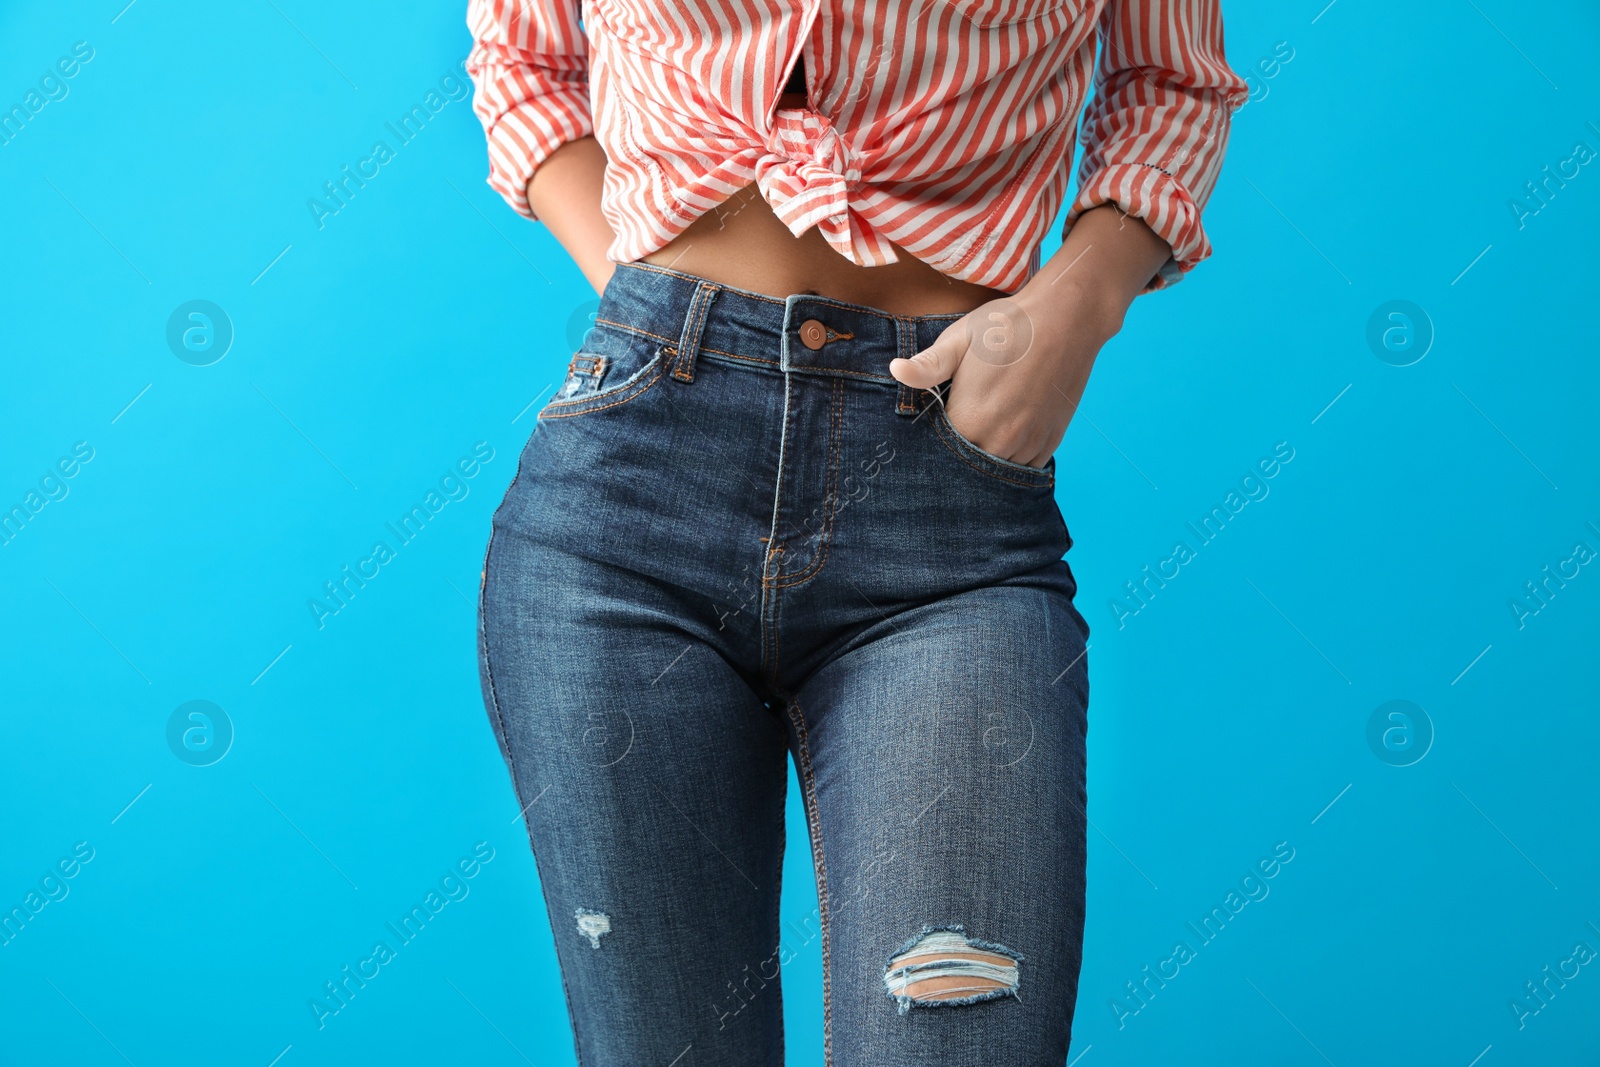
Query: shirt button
pixel 813 334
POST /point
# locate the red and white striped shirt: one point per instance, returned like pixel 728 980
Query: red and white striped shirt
pixel 943 126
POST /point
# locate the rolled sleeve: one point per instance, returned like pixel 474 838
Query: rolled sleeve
pixel 529 67
pixel 1155 133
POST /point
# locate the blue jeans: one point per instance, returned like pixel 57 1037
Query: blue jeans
pixel 732 538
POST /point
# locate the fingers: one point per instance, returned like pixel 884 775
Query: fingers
pixel 936 363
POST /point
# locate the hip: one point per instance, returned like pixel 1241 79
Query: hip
pixel 704 431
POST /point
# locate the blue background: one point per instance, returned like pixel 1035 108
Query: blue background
pixel 1230 713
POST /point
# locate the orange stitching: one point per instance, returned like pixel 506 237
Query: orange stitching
pixel 682 274
pixel 961 454
pixel 684 370
pixel 633 329
pixel 777 495
pixel 868 375
pixel 770 637
pixel 680 370
pixel 597 364
pixel 748 359
pixel 829 500
pixel 843 372
pixel 635 391
pixel 872 375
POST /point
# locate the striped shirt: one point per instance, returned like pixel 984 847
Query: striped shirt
pixel 942 126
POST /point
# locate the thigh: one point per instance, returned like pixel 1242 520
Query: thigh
pixel 943 757
pixel 652 779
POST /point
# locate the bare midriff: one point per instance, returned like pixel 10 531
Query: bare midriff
pixel 743 244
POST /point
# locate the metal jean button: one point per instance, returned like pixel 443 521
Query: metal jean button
pixel 813 334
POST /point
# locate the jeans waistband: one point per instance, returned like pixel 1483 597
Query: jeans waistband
pixel 799 333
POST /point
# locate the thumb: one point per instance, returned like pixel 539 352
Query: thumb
pixel 936 363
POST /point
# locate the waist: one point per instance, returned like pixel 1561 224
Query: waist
pixel 799 332
pixel 743 243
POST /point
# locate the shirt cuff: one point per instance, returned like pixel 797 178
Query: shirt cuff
pixel 525 136
pixel 1161 202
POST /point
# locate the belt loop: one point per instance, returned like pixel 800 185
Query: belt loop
pixel 906 333
pixel 694 324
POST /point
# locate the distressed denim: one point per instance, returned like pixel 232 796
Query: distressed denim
pixel 733 538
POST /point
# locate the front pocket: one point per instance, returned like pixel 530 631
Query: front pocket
pixel 615 365
pixel 586 373
pixel 987 463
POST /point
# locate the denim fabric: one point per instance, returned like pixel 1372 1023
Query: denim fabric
pixel 722 548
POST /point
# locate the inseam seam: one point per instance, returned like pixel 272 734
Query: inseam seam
pixel 808 792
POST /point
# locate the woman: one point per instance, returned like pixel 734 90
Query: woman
pixel 795 495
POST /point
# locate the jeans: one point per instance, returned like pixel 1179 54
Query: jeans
pixel 733 538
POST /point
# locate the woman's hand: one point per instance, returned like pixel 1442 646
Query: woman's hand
pixel 1016 370
pixel 1018 366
